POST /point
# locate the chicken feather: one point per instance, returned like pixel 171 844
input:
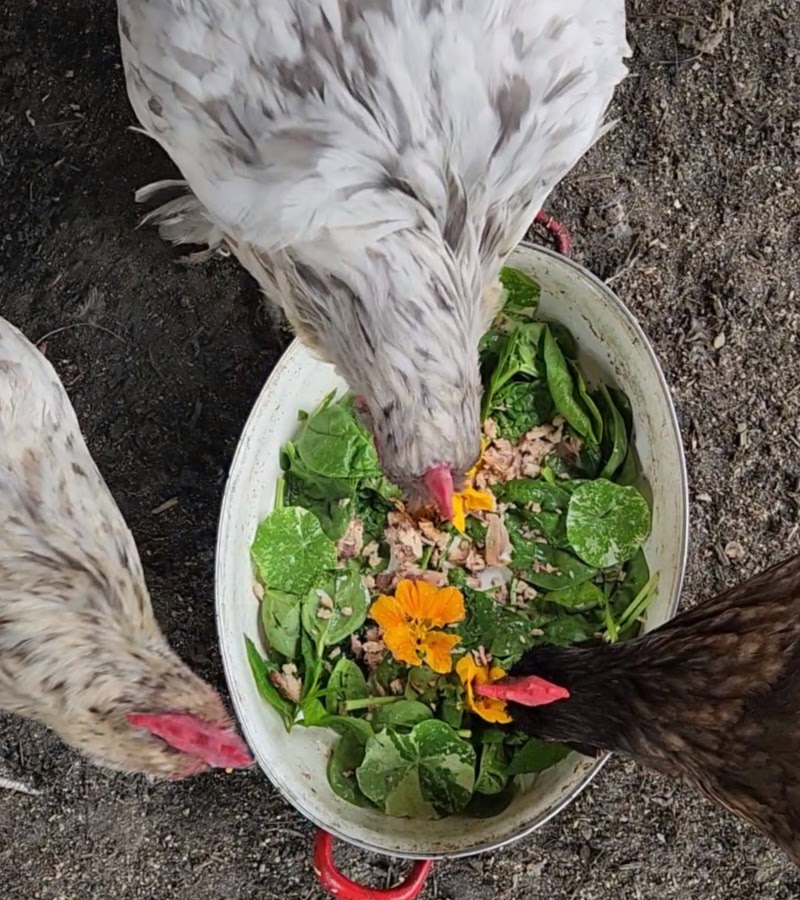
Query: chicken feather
pixel 372 164
pixel 80 649
pixel 712 696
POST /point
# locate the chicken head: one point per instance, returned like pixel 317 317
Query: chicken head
pixel 80 650
pixel 373 166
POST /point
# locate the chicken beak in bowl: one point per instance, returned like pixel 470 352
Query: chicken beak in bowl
pixel 438 482
pixel 528 691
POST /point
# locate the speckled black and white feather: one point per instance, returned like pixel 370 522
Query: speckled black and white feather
pixel 371 163
pixel 79 645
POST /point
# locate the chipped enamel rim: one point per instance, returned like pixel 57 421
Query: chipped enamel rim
pixel 612 344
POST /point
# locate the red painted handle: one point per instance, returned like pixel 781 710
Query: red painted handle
pixel 339 886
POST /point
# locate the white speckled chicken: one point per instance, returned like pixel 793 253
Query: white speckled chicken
pixel 372 163
pixel 80 650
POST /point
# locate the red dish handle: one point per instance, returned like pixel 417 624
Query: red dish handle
pixel 342 887
pixel 561 235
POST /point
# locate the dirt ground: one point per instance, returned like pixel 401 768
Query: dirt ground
pixel 690 209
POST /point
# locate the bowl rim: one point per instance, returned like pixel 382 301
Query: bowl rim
pixel 226 514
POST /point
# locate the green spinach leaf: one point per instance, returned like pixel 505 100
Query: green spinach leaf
pixel 493 769
pixel 520 406
pixel 588 403
pixel 550 525
pixel 422 684
pixel 521 491
pixel 261 669
pixel 343 725
pixel 578 597
pixel 347 756
pixel 637 574
pixel 563 389
pixel 623 404
pixel 313 711
pixel 332 505
pixel 451 709
pixel 335 607
pixel 565 339
pixel 385 490
pixel 520 356
pixel 511 636
pixel 308 483
pixel 332 443
pixel 569 629
pixel 536 756
pixel 615 436
pixel 280 616
pixel 402 715
pixel 388 670
pixel 347 682
pixel 628 474
pixel 521 294
pixel 477 627
pixel 504 632
pixel 544 566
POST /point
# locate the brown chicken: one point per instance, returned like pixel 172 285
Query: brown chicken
pixel 712 696
pixel 80 650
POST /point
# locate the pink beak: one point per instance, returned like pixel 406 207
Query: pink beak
pixel 216 747
pixel 438 481
pixel 528 691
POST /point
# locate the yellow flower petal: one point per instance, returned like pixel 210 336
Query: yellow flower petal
pixel 475 499
pixel 467 671
pixel 416 598
pixel 436 648
pixel 490 709
pixel 408 618
pixel 402 644
pixel 422 602
pixel 470 498
pixel 388 612
pixel 459 513
pixel 466 668
pixel 447 607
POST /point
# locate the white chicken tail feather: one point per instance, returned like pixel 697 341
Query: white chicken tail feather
pixel 137 130
pixel 146 193
pixel 182 220
pixel 8 784
pixel 604 129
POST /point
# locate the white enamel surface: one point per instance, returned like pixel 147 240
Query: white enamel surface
pixel 612 347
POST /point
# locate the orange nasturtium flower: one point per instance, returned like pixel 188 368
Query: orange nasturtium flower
pixel 471 674
pixel 410 621
pixel 470 499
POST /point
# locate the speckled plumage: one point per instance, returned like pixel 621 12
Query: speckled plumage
pixel 79 646
pixel 372 163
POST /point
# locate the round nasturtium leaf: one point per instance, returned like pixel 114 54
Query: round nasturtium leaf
pixel 607 523
pixel 291 551
pixel 423 775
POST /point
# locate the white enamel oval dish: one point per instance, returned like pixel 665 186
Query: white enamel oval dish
pixel 613 348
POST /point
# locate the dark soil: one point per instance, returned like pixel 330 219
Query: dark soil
pixel 690 208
